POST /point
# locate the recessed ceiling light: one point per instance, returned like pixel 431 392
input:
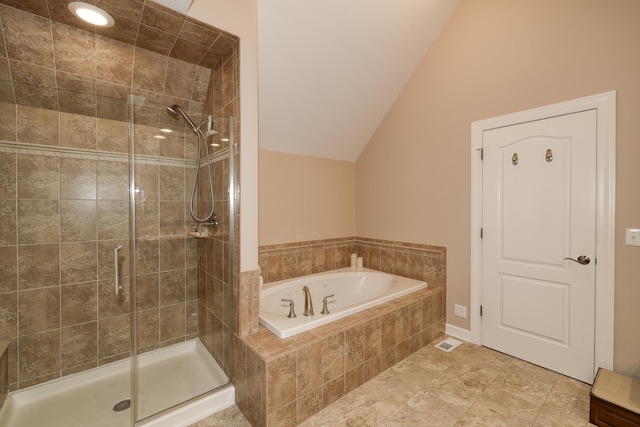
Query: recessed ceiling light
pixel 159 137
pixel 165 130
pixel 91 14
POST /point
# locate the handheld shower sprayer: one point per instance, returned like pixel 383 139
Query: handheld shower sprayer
pixel 210 130
pixel 175 111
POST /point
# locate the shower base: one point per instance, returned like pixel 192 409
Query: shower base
pixel 167 377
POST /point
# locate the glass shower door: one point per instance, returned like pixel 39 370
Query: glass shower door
pixel 181 295
pixel 64 206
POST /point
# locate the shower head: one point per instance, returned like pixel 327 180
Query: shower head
pixel 175 111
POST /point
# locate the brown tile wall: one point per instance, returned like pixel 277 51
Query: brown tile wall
pixel 144 23
pixel 64 186
pixel 420 262
pixel 249 301
pixel 217 276
pixel 280 262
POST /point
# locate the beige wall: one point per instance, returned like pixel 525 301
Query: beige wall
pixel 496 57
pixel 305 198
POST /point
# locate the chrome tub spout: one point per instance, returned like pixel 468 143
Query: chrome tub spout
pixel 308 304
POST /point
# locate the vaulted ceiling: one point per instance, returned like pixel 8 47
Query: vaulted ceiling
pixel 330 70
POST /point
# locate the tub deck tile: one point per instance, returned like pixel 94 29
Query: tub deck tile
pixel 269 346
pixel 412 328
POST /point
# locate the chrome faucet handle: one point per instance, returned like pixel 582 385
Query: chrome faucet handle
pixel 325 310
pixel 292 312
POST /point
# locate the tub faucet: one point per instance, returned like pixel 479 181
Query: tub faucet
pixel 292 311
pixel 325 309
pixel 308 304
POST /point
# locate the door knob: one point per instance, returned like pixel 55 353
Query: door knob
pixel 582 260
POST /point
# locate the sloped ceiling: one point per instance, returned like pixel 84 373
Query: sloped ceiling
pixel 179 5
pixel 329 70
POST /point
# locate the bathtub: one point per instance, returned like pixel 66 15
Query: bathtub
pixel 353 291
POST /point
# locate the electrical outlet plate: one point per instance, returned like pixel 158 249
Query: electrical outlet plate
pixel 632 237
pixel 460 311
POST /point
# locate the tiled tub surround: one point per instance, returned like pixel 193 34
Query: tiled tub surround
pixel 284 381
pixel 342 292
pixel 415 261
pixel 64 184
pixel 426 263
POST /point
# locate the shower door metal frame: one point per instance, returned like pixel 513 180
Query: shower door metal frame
pixel 233 146
pixel 132 262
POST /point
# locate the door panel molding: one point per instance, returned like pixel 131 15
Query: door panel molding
pixel 605 106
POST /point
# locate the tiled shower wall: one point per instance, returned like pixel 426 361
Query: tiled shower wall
pixel 64 184
pixel 215 276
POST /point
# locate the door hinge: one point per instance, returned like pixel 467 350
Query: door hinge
pixel 481 150
pixel 480 311
pixel 481 232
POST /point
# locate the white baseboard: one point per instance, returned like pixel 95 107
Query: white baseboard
pixel 457 332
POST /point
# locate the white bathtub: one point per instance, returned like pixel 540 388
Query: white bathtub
pixel 353 291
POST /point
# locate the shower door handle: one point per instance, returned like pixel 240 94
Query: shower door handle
pixel 116 275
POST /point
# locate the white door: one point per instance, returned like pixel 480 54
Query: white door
pixel 539 208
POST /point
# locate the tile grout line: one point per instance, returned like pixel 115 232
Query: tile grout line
pixel 545 400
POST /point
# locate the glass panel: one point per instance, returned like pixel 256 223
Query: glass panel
pixel 77 176
pixel 182 264
pixel 64 210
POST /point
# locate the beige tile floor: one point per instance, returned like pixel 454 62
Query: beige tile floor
pixel 471 386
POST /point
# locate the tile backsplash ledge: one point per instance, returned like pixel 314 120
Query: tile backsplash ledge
pixel 416 261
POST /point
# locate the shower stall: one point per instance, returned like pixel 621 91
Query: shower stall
pixel 118 222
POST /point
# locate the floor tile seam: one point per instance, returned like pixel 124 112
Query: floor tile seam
pixel 383 421
pixel 478 397
pixel 369 398
pixel 405 401
pixel 352 408
pixel 471 405
pixel 522 388
pixel 577 400
pixel 464 413
pixel 545 400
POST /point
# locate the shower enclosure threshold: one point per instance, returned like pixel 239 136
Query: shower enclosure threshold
pixel 167 377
